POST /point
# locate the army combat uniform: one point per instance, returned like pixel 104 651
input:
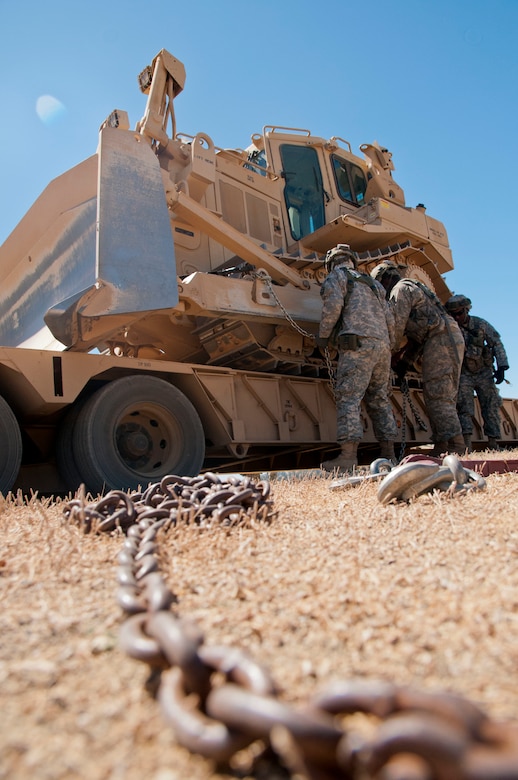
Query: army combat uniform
pixel 365 326
pixel 483 343
pixel 440 345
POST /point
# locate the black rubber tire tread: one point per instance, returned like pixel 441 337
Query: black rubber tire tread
pixel 11 447
pixel 68 469
pixel 162 412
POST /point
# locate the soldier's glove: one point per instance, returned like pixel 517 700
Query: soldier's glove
pixel 499 374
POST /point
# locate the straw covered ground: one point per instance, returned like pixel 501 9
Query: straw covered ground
pixel 337 586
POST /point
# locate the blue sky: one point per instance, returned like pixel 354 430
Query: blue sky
pixel 435 81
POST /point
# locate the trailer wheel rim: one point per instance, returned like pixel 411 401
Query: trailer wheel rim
pixel 147 439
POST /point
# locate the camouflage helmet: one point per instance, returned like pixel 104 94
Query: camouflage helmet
pixel 386 268
pixel 457 303
pixel 339 254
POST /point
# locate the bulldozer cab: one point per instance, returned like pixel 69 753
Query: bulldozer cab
pixel 324 181
pixel 319 182
pixel 308 201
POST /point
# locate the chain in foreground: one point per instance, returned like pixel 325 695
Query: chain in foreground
pixel 219 701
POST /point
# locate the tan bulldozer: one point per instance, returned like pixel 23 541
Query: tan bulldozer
pixel 161 299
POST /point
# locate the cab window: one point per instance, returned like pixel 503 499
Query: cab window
pixel 303 190
pixel 350 180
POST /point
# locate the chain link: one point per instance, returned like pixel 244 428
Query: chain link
pixel 267 280
pixel 264 277
pixel 405 390
pixel 407 399
pixel 441 736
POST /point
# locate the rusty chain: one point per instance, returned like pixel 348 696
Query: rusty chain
pixel 417 736
pixel 264 277
pixel 200 500
pixel 407 399
pixel 327 351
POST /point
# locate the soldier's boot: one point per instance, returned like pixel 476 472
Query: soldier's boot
pixel 492 443
pixel 439 448
pixel 457 445
pixel 387 451
pixel 467 442
pixel 347 459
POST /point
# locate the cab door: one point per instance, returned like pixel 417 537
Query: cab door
pixel 299 163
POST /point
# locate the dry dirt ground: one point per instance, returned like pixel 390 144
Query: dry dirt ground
pixel 338 586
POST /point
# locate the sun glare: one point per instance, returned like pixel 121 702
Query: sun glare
pixel 49 109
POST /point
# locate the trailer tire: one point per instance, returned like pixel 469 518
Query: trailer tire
pixel 136 430
pixel 68 469
pixel 11 447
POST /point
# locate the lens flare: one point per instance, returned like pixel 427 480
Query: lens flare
pixel 49 109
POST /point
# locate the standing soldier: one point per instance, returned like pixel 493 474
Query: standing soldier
pixel 483 345
pixel 434 338
pixel 354 307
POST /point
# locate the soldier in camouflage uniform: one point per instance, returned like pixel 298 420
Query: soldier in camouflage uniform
pixel 355 309
pixel 435 339
pixel 483 346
